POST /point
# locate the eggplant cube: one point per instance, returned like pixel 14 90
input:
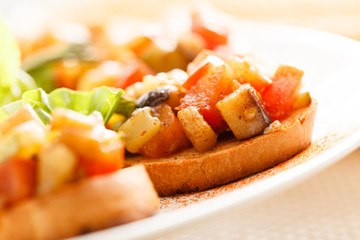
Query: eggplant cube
pixel 196 129
pixel 244 112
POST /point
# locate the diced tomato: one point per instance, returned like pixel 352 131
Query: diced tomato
pixel 62 117
pixel 139 45
pixel 170 138
pixel 17 180
pixel 104 74
pixel 201 66
pixel 199 73
pixel 99 150
pixel 244 72
pixel 110 158
pixel 279 97
pixel 67 74
pixel 26 113
pixel 133 72
pixel 199 61
pixel 213 35
pixel 210 84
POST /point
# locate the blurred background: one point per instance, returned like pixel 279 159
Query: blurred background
pixel 341 17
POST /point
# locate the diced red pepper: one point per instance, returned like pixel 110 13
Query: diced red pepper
pixel 171 138
pixel 209 84
pixel 214 36
pixel 67 75
pixel 17 180
pixel 199 61
pixel 110 158
pixel 98 154
pixel 133 72
pixel 279 97
pixel 139 45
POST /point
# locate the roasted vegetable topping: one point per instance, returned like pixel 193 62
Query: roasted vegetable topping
pixel 170 138
pixel 199 132
pixel 243 113
pixel 244 72
pixel 153 98
pixel 158 95
pixel 212 83
pixel 139 129
pixel 282 93
pixel 40 158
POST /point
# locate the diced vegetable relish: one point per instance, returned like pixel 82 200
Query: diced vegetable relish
pixel 156 97
pixel 72 146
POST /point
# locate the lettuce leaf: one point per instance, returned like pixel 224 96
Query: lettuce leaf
pixel 125 107
pixel 17 84
pixel 13 81
pixel 39 100
pixel 9 56
pixel 9 64
pixel 44 76
pixel 46 55
pixel 41 64
pixel 9 109
pixel 104 100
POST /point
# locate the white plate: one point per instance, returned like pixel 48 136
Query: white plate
pixel 331 64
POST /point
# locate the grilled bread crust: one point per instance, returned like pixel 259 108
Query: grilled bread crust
pixel 230 159
pixel 89 205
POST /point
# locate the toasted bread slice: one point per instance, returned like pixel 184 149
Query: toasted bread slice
pixel 230 159
pixel 93 204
